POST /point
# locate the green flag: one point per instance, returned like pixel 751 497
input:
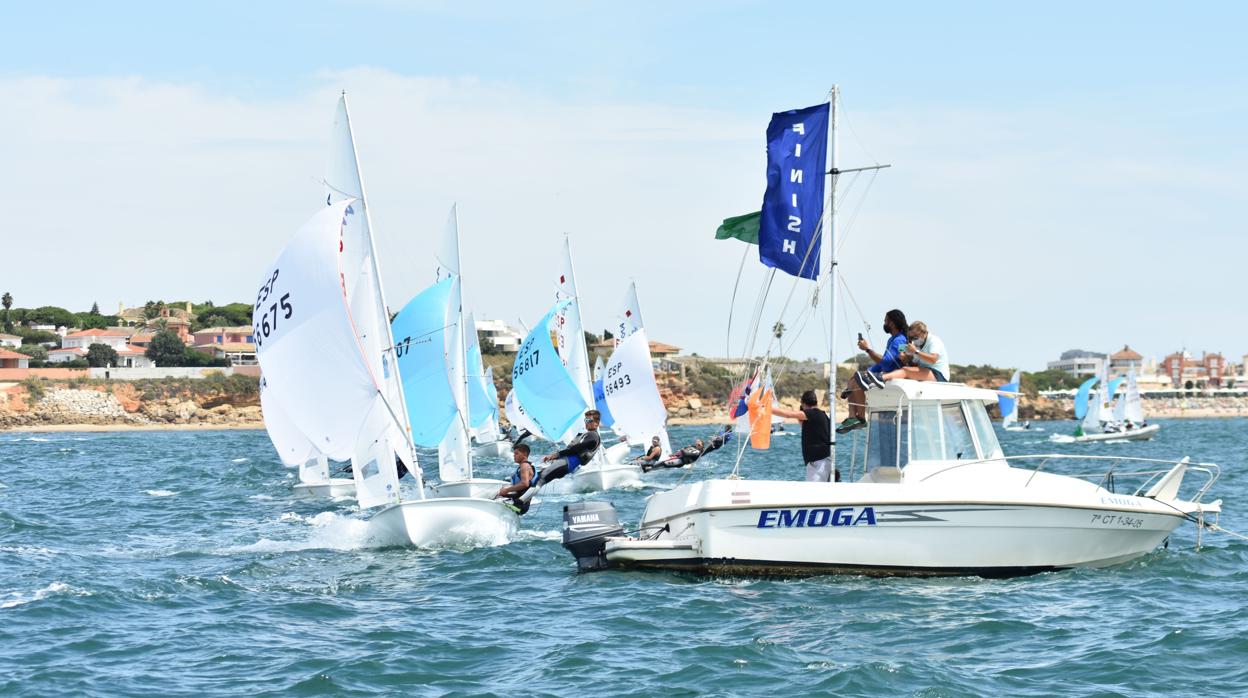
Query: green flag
pixel 743 228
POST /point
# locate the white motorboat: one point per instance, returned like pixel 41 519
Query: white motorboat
pixel 1122 434
pixel 936 497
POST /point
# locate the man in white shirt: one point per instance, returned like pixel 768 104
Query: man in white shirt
pixel 928 353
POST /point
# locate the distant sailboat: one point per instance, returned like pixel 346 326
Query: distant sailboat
pixel 1007 401
pixel 1101 422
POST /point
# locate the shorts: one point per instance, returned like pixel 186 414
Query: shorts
pixel 940 377
pixel 819 470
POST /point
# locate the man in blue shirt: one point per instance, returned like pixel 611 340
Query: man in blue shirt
pixel 898 329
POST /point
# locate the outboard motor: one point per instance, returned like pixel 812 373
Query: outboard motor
pixel 586 527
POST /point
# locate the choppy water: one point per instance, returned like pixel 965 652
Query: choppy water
pixel 177 563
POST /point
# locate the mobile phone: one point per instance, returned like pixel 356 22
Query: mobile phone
pixel 859 336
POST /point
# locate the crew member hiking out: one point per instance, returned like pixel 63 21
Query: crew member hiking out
pixel 521 480
pixel 567 460
pixel 816 438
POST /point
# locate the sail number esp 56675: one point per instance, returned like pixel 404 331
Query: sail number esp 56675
pixel 281 307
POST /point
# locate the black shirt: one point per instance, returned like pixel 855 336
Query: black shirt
pixel 816 435
pixel 583 447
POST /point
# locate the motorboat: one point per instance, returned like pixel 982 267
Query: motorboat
pixel 935 496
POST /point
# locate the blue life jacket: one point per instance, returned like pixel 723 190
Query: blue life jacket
pixel 516 477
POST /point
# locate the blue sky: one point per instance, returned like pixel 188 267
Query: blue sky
pixel 1064 176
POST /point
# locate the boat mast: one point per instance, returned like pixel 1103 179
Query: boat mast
pixel 576 294
pixel 829 225
pixel 461 390
pixel 404 425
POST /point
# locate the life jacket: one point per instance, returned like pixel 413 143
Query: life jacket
pixel 516 476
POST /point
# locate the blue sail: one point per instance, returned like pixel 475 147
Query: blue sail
pixel 600 403
pixel 1113 388
pixel 1007 403
pixel 479 401
pixel 542 383
pixel 1081 397
pixel 420 345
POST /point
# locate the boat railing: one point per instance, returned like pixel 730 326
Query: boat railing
pixel 1106 478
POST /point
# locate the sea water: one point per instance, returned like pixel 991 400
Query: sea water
pixel 179 563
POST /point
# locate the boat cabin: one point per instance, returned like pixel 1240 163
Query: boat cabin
pixel 915 428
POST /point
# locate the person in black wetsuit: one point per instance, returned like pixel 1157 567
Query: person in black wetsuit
pixel 816 438
pixel 680 458
pixel 521 480
pixel 717 441
pixel 567 460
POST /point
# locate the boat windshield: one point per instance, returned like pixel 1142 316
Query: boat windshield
pixel 958 443
pixel 987 436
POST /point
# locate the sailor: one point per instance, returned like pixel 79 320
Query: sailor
pixel 520 480
pixel 652 454
pixel 680 458
pixel 567 460
pixel 816 438
pixel 717 441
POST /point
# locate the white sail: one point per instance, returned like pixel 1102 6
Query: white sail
pixel 1119 411
pixel 630 315
pixel 1134 409
pixel 362 273
pixel 488 432
pixel 598 366
pixel 570 336
pixel 318 379
pixel 1092 420
pixel 454 458
pixel 631 391
pixel 482 398
pixel 520 420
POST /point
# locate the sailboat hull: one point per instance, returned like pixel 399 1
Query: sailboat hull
pixel 596 477
pixel 494 449
pixel 334 487
pixel 443 522
pixel 1140 434
pixel 478 488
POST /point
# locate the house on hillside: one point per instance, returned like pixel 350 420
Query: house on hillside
pixel 234 343
pixel 10 340
pixel 12 359
pixel 172 318
pixel 75 345
pixel 498 333
pixel 661 353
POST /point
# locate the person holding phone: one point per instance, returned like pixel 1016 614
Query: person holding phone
pixel 931 360
pixel 897 328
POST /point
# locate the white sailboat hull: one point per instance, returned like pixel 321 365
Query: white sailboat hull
pixel 596 477
pixel 494 449
pixel 443 522
pixel 478 488
pixel 1139 434
pixel 768 527
pixel 334 487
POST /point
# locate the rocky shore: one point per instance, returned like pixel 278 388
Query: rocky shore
pixel 119 406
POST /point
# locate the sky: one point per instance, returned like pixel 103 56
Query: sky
pixel 1065 176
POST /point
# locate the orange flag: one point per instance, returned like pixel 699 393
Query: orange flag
pixel 759 404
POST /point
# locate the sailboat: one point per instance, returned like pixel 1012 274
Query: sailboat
pixel 483 430
pixel 629 387
pixel 1007 402
pixel 330 376
pixel 1124 421
pixel 432 354
pixel 937 495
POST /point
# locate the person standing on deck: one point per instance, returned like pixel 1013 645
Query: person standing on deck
pixel 816 438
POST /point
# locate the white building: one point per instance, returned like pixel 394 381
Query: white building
pixel 10 340
pixel 75 345
pixel 1077 362
pixel 501 335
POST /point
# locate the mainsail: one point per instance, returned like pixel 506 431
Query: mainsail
pixel 482 407
pixel 1009 403
pixel 570 336
pixel 301 305
pixel 552 400
pixel 632 393
pixel 420 331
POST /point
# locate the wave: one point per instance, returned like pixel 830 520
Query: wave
pixel 55 588
pixel 160 493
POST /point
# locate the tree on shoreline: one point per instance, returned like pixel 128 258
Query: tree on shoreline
pixel 101 356
pixel 7 300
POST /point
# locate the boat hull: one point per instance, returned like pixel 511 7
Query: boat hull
pixel 334 487
pixel 480 488
pixel 443 522
pixel 596 477
pixel 494 449
pixel 1140 434
pixel 864 529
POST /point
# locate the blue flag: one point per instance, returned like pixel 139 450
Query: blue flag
pixel 797 149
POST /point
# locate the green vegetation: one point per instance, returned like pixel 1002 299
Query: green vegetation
pixel 209 315
pixel 37 352
pixel 1049 380
pixel 488 348
pixel 167 349
pixel 216 386
pixel 101 356
pixel 35 387
pixel 7 301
